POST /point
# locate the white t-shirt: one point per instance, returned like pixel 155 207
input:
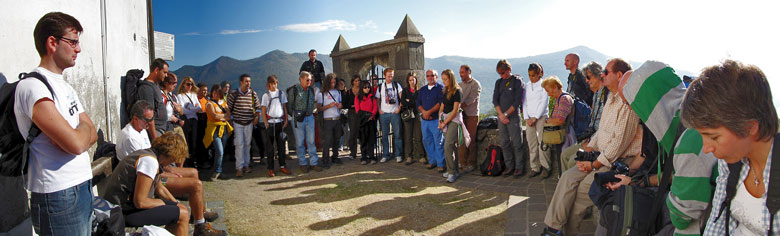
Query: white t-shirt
pixel 51 169
pixel 130 141
pixel 147 165
pixel 275 108
pixel 330 97
pixel 190 104
pixel 748 211
pixel 387 93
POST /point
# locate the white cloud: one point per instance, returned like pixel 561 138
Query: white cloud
pixel 191 34
pixel 369 25
pixel 229 32
pixel 322 26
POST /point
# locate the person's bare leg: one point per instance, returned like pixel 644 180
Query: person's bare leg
pixel 186 172
pixel 181 227
pixel 193 189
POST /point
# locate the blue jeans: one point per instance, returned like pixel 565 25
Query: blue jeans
pixel 433 141
pixel 242 138
pixel 65 212
pixel 391 119
pixel 305 130
pixel 219 149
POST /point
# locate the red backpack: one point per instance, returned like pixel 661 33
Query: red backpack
pixel 494 162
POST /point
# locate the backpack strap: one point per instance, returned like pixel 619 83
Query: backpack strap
pixel 773 193
pixel 34 130
pixel 663 186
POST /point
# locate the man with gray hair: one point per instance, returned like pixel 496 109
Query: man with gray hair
pixel 302 97
pixel 133 136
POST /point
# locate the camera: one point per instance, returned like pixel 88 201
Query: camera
pixel 618 168
pixel 582 155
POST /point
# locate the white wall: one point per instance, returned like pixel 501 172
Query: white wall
pixel 126 48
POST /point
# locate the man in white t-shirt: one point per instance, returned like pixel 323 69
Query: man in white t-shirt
pixel 133 136
pixel 274 120
pixel 59 174
pixel 388 94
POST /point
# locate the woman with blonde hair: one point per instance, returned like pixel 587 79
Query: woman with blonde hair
pixel 187 95
pixel 451 123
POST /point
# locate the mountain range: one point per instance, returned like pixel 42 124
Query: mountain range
pixel 286 66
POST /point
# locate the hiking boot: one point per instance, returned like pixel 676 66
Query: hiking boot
pixel 239 173
pixel 316 168
pixel 534 173
pixel 545 173
pixel 409 161
pixel 399 159
pixel 210 216
pixel 205 229
pixel 337 161
pixel 285 171
pixel 247 169
pixel 383 160
pixel 271 173
pixel 507 172
pixel 305 169
pixel 519 173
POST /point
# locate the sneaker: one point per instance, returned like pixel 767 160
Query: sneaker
pixel 430 166
pixel 316 168
pixel 551 232
pixel 305 169
pixel 352 157
pixel 205 229
pixel 384 159
pixel 247 169
pixel 399 159
pixel 271 173
pixel 363 162
pixel 441 169
pixel 445 175
pixel 285 171
pixel 373 162
pixel 423 160
pixel 239 173
pixel 215 176
pixel 468 169
pixel 409 161
pixel 451 178
pixel 545 173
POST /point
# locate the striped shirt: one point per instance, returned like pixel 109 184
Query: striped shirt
pixel 243 105
pixel 717 227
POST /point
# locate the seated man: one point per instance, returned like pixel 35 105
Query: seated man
pixel 179 181
pixel 619 137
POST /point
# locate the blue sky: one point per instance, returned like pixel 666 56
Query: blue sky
pixel 689 35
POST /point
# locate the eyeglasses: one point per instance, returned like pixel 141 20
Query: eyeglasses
pixel 188 84
pixel 72 42
pixel 146 119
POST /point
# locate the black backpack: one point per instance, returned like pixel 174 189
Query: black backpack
pixel 772 196
pixel 129 91
pixel 13 157
pixel 109 219
pixel 494 162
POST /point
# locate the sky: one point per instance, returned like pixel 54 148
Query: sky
pixel 688 35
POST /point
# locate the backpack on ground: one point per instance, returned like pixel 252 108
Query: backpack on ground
pixel 107 218
pixel 13 157
pixel 129 91
pixel 773 192
pixel 494 162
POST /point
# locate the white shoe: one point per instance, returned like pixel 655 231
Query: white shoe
pixel 445 175
pixel 383 160
pixel 399 159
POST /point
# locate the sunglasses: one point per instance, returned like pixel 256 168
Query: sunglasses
pixel 146 119
pixel 606 72
pixel 188 84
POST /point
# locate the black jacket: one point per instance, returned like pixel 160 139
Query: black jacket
pixel 315 68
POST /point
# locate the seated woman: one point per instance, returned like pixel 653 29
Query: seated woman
pixel 136 181
pixel 731 107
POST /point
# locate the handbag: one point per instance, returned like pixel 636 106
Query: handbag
pixel 407 114
pixel 553 134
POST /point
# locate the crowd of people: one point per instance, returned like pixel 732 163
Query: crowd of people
pixel 646 129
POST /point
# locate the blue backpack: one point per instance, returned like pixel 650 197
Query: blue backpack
pixel 580 115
